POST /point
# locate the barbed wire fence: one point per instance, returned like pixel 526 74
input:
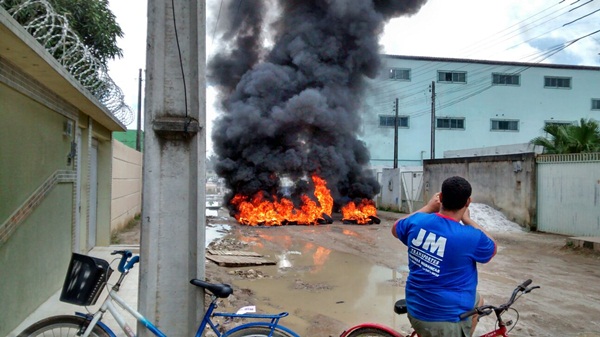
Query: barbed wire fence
pixel 53 32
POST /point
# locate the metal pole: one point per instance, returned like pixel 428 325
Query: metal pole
pixel 138 136
pixel 396 135
pixel 432 119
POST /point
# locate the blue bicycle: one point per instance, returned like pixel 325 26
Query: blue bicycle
pixel 87 276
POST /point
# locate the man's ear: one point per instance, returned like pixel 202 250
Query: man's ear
pixel 468 202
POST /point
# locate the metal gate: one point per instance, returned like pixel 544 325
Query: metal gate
pixel 568 195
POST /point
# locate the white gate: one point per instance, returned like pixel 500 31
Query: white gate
pixel 401 188
pixel 568 195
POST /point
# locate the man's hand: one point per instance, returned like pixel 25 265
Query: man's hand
pixel 466 218
pixel 433 206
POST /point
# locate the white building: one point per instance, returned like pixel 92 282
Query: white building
pixel 477 104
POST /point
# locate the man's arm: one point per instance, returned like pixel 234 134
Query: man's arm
pixel 432 206
pixel 466 219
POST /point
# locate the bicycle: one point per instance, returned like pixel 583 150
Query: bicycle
pixel 380 330
pixel 87 276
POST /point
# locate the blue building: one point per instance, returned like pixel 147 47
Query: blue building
pixel 476 104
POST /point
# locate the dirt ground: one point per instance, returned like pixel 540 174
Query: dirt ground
pixel 331 277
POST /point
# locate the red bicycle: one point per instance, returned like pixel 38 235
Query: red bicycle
pixel 380 330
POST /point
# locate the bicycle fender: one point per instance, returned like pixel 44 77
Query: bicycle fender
pixel 265 324
pixel 100 323
pixel 372 325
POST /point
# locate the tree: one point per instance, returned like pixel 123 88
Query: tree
pixel 95 24
pixel 582 138
pixel 91 20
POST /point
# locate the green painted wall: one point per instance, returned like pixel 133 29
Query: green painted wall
pixel 33 261
pixel 28 129
pixel 129 138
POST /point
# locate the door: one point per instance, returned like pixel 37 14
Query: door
pixel 93 195
pixel 77 239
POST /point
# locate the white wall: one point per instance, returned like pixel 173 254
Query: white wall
pixel 477 101
pixel 126 185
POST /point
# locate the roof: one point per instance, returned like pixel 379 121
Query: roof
pixel 506 63
pixel 21 49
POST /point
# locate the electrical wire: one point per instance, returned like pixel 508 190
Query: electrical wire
pixel 181 67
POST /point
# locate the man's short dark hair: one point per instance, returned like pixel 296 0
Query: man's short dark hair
pixel 455 193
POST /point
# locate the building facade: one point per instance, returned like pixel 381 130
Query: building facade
pixel 446 105
pixel 55 172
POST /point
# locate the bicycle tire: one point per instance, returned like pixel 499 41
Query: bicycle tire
pixel 259 331
pixel 61 326
pixel 369 332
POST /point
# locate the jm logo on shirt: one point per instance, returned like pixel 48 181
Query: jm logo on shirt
pixel 430 242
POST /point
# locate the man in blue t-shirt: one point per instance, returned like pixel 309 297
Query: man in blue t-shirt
pixel 442 260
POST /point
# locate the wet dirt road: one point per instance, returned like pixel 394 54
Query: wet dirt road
pixel 331 277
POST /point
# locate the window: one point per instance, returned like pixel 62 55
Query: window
pixel 595 103
pixel 450 123
pixel 505 125
pixel 388 121
pixel 400 74
pixel 553 122
pixel 506 79
pixel 557 82
pixel 452 76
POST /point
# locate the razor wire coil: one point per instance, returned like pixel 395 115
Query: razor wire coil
pixel 53 32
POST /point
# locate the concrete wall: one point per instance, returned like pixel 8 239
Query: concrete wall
pixel 45 185
pixel 35 210
pixel 126 185
pixel 505 182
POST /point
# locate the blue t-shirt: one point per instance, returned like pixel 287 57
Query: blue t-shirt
pixel 442 257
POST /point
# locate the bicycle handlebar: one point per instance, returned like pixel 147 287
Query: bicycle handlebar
pixel 126 263
pixel 488 309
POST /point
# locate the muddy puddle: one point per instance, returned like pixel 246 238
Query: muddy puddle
pixel 318 285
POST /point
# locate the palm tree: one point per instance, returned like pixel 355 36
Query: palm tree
pixel 582 138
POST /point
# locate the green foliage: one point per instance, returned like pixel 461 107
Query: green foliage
pixel 95 24
pixel 561 139
pixel 91 20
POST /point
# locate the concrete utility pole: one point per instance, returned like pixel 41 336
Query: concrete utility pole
pixel 432 120
pixel 138 135
pixel 173 194
pixel 396 134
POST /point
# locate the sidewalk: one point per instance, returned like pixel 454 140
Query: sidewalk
pixel 129 292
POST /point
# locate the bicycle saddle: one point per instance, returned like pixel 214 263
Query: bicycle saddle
pixel 220 290
pixel 400 307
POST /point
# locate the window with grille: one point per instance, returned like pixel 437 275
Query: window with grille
pixel 450 123
pixel 505 125
pixel 553 122
pixel 400 74
pixel 506 79
pixel 388 121
pixel 595 103
pixel 557 82
pixel 452 76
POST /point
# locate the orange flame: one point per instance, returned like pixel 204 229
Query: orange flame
pixel 360 213
pixel 258 211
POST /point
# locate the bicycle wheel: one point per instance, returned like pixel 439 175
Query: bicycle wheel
pixel 369 332
pixel 61 326
pixel 259 331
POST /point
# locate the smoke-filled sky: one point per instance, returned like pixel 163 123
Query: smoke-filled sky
pixel 293 107
pixel 509 30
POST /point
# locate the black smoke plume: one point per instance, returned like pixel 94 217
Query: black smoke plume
pixel 293 108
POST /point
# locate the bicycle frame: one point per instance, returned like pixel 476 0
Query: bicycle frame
pixel 109 306
pixel 113 297
pixel 501 331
